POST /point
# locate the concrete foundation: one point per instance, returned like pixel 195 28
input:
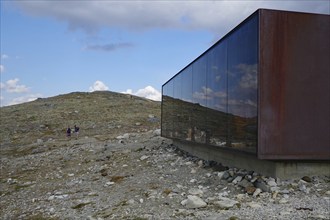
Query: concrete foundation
pixel 281 169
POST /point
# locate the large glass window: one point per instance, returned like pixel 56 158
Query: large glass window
pixel 199 99
pixel 177 107
pixel 216 82
pixel 187 100
pixel 242 86
pixel 214 99
pixel 167 108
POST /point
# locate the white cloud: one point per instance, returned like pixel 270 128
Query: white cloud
pixel 108 47
pixel 2 67
pixel 11 86
pixel 206 93
pixel 26 98
pixel 98 86
pixel 215 16
pixel 128 91
pixel 220 94
pixel 4 56
pixel 148 92
pixel 203 94
pixel 249 78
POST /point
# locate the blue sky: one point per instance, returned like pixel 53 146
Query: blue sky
pixel 56 47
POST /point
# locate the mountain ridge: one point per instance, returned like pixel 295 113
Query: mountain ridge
pixel 100 114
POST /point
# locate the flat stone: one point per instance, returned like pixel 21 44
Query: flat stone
pixel 193 202
pixel 271 183
pixel 253 205
pixel 109 183
pixel 262 185
pixel 144 157
pixel 225 175
pixel 131 202
pixel 225 203
pixel 285 213
pixel 245 183
pixel 218 216
pixel 195 191
pixel 257 192
pixel 321 217
pixel 193 181
pixel 124 136
pixel 283 201
pixel 307 179
pixel 237 179
pixel 157 132
pixel 240 197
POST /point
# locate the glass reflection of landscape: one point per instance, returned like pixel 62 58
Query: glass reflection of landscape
pixel 214 99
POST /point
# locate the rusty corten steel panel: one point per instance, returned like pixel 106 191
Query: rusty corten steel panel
pixel 294 86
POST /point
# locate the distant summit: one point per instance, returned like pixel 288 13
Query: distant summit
pixel 100 114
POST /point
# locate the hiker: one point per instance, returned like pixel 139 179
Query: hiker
pixel 76 130
pixel 68 132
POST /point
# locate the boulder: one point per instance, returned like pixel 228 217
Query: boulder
pixel 193 202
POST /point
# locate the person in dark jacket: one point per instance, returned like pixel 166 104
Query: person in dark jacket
pixel 76 130
pixel 68 132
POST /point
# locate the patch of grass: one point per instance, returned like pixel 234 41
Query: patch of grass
pixel 116 179
pixel 135 218
pixel 19 187
pixel 49 132
pixel 139 149
pixel 5 193
pixel 81 205
pixel 122 203
pixel 41 217
pixel 153 186
pixel 167 191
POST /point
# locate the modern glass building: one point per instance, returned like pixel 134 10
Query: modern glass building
pixel 263 89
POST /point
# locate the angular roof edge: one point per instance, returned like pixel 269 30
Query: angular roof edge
pixel 216 43
pixel 258 11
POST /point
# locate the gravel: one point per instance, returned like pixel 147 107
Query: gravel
pixel 144 176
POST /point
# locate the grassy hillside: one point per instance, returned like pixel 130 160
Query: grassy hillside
pixel 102 115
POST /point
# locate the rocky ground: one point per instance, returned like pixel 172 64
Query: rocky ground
pixel 119 167
pixel 144 176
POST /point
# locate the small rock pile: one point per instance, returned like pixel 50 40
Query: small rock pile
pixel 144 176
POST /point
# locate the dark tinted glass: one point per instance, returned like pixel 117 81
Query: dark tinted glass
pixel 167 108
pixel 242 86
pixel 199 127
pixel 214 99
pixel 177 107
pixel 217 95
pixel 186 110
